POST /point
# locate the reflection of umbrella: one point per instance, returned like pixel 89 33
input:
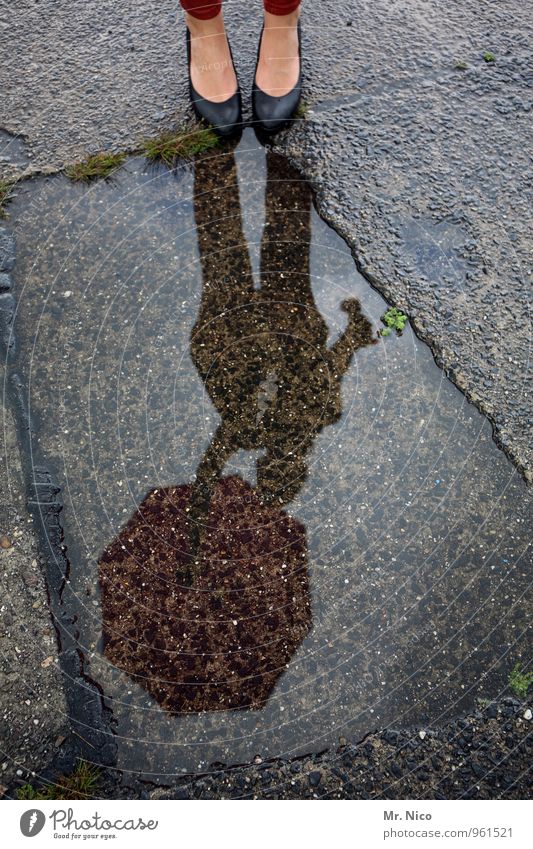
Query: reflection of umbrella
pixel 223 642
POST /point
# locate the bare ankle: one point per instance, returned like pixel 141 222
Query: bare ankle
pixel 199 28
pixel 282 21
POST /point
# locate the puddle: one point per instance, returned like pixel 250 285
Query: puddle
pixel 279 532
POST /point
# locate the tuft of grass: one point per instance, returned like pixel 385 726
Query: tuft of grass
pixel 394 319
pixel 169 147
pixel 488 56
pixel 6 194
pixel 28 791
pixel 95 167
pixel 460 65
pixel 82 783
pixel 519 681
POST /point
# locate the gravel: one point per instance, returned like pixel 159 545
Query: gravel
pixel 33 716
pixel 474 757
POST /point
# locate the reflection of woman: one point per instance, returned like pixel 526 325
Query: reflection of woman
pixel 214 89
pixel 262 354
pixel 222 641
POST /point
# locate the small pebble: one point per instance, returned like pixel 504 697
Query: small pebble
pixel 315 778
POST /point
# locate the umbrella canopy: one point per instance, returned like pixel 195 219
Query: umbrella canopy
pixel 223 642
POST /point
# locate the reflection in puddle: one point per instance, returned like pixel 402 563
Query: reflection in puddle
pixel 279 532
pixel 262 354
pixel 221 640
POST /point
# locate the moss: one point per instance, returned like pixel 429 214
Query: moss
pixel 519 681
pixel 301 110
pixel 82 783
pixel 460 65
pixel 489 57
pixel 393 319
pixel 170 147
pixel 95 167
pixel 6 194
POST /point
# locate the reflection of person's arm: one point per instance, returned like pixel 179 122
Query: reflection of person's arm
pixel 208 473
pixel 357 335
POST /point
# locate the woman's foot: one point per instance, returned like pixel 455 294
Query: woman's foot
pixel 211 70
pixel 278 79
pixel 278 68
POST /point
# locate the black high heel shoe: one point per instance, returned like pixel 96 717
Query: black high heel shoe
pixel 271 113
pixel 225 117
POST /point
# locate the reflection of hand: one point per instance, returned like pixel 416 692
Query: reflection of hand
pixel 352 307
pixel 356 319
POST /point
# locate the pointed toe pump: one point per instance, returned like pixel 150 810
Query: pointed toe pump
pixel 224 117
pixel 270 113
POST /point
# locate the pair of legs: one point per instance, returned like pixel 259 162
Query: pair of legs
pixel 212 72
pixel 263 354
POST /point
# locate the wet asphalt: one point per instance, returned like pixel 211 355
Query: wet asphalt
pixel 420 162
pixel 434 209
